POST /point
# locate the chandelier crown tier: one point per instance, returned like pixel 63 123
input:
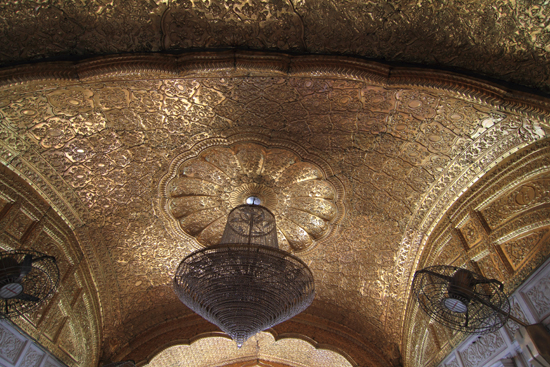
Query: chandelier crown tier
pixel 252 225
pixel 245 284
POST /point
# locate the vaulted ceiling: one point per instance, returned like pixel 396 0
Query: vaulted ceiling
pixel 143 123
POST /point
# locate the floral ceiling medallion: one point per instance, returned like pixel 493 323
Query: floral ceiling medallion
pixel 206 182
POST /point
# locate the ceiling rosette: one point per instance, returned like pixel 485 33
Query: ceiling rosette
pixel 202 187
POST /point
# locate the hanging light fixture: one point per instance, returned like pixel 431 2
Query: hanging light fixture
pixel 245 284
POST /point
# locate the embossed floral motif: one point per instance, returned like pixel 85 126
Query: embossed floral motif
pixel 53 133
pixel 518 249
pixel 521 198
pixel 539 297
pixel 471 232
pixel 482 349
pixel 203 190
pixel 10 345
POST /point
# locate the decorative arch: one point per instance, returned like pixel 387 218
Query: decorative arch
pixel 211 350
pixel 68 324
pixel 500 228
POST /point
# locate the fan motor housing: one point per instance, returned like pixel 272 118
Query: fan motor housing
pixel 9 270
pixel 460 292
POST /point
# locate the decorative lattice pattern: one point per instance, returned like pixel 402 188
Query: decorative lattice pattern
pixel 476 313
pixel 251 224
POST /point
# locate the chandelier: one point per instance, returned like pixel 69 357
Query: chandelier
pixel 245 284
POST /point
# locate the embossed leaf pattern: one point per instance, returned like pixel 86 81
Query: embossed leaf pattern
pixel 517 250
pixel 502 39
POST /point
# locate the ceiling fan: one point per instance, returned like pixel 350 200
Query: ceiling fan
pixel 466 301
pixel 27 279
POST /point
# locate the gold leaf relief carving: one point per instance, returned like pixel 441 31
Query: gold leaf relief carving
pixel 130 149
pixel 492 267
pixel 367 30
pixel 204 188
pixel 525 197
pixel 49 234
pixel 378 99
pixel 54 133
pixel 464 118
pixel 430 347
pixel 67 341
pixel 518 250
pixel 52 247
pixel 71 102
pixel 450 252
pixel 472 232
pixel 421 105
pixel 26 112
pixel 19 224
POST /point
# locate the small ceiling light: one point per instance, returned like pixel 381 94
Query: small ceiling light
pixel 253 200
pixel 245 284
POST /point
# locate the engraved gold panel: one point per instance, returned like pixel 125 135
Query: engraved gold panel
pixel 472 231
pixel 518 250
pixel 518 200
pixel 504 40
pixel 221 351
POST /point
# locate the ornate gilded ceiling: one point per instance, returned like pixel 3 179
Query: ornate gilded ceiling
pixel 132 160
pixel 503 39
pixel 364 161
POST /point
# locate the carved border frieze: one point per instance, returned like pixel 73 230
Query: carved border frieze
pixel 251 63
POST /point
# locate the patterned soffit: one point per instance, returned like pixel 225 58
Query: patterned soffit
pixel 504 39
pixel 104 141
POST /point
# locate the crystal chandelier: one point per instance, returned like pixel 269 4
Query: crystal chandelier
pixel 245 284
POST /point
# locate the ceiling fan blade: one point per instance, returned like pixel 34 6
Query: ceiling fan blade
pixel 26 266
pixel 27 297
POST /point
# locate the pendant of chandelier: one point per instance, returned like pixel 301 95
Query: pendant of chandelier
pixel 246 284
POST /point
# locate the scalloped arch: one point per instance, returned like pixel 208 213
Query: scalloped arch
pixel 209 350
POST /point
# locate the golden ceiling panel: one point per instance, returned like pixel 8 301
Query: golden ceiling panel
pixel 202 187
pixel 98 138
pixel 504 39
